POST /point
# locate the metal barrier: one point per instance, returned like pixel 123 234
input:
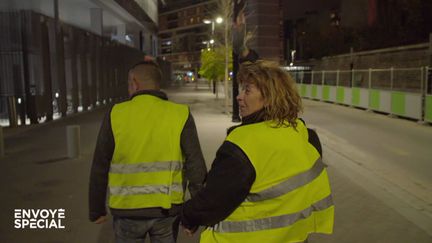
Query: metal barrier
pixel 428 95
pixel 404 92
pixel 2 149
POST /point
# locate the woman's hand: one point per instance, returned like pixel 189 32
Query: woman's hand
pixel 101 220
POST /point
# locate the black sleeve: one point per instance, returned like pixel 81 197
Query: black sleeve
pixel 252 56
pixel 313 138
pixel 195 169
pixel 100 168
pixel 228 184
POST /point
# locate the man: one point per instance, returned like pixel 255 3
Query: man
pixel 145 147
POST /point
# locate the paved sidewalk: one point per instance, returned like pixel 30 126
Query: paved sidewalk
pixel 36 174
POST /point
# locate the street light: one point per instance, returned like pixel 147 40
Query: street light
pixel 220 20
pixel 217 20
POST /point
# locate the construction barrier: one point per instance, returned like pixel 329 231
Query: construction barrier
pixel 403 92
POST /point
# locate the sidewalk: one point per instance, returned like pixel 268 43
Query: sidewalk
pixel 36 174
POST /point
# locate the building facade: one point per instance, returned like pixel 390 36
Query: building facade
pixel 353 25
pixel 264 20
pixel 183 32
pixel 62 57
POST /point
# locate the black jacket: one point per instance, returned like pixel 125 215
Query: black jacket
pixel 194 168
pixel 228 182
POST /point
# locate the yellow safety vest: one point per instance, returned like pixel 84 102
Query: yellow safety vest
pixel 146 168
pixel 290 196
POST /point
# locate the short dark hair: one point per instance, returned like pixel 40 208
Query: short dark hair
pixel 147 71
pixel 145 63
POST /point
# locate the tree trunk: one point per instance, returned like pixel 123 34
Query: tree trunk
pixel 226 68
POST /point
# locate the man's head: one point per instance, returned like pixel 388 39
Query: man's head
pixel 145 75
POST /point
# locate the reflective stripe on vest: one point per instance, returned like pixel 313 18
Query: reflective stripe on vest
pixel 147 163
pixel 272 222
pixel 148 189
pixel 288 185
pixel 146 167
pixel 290 197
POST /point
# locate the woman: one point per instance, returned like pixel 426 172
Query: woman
pixel 267 183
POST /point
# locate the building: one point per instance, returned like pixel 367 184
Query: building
pixel 307 22
pixel 264 20
pixel 61 57
pixel 359 25
pixel 183 32
pixel 133 23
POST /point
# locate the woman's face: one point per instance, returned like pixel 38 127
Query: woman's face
pixel 250 99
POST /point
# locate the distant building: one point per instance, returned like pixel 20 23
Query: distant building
pixel 265 20
pixel 316 28
pixel 183 33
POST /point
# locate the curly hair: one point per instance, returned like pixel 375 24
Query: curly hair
pixel 282 103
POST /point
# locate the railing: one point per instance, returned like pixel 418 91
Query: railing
pixel 405 92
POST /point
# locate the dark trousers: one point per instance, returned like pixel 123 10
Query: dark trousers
pixel 160 230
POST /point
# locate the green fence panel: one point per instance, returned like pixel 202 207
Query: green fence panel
pixel 355 97
pixel 340 94
pixel 303 90
pixel 374 99
pixel 326 93
pixel 314 91
pixel 428 108
pixel 398 103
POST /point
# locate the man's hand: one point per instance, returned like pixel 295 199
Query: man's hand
pixel 149 58
pixel 190 231
pixel 101 220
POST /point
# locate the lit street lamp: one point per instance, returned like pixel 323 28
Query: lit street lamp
pixel 211 42
pixel 218 20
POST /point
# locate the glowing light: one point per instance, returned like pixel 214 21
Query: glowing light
pixel 219 20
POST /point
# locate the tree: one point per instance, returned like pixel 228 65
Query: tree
pixel 213 63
